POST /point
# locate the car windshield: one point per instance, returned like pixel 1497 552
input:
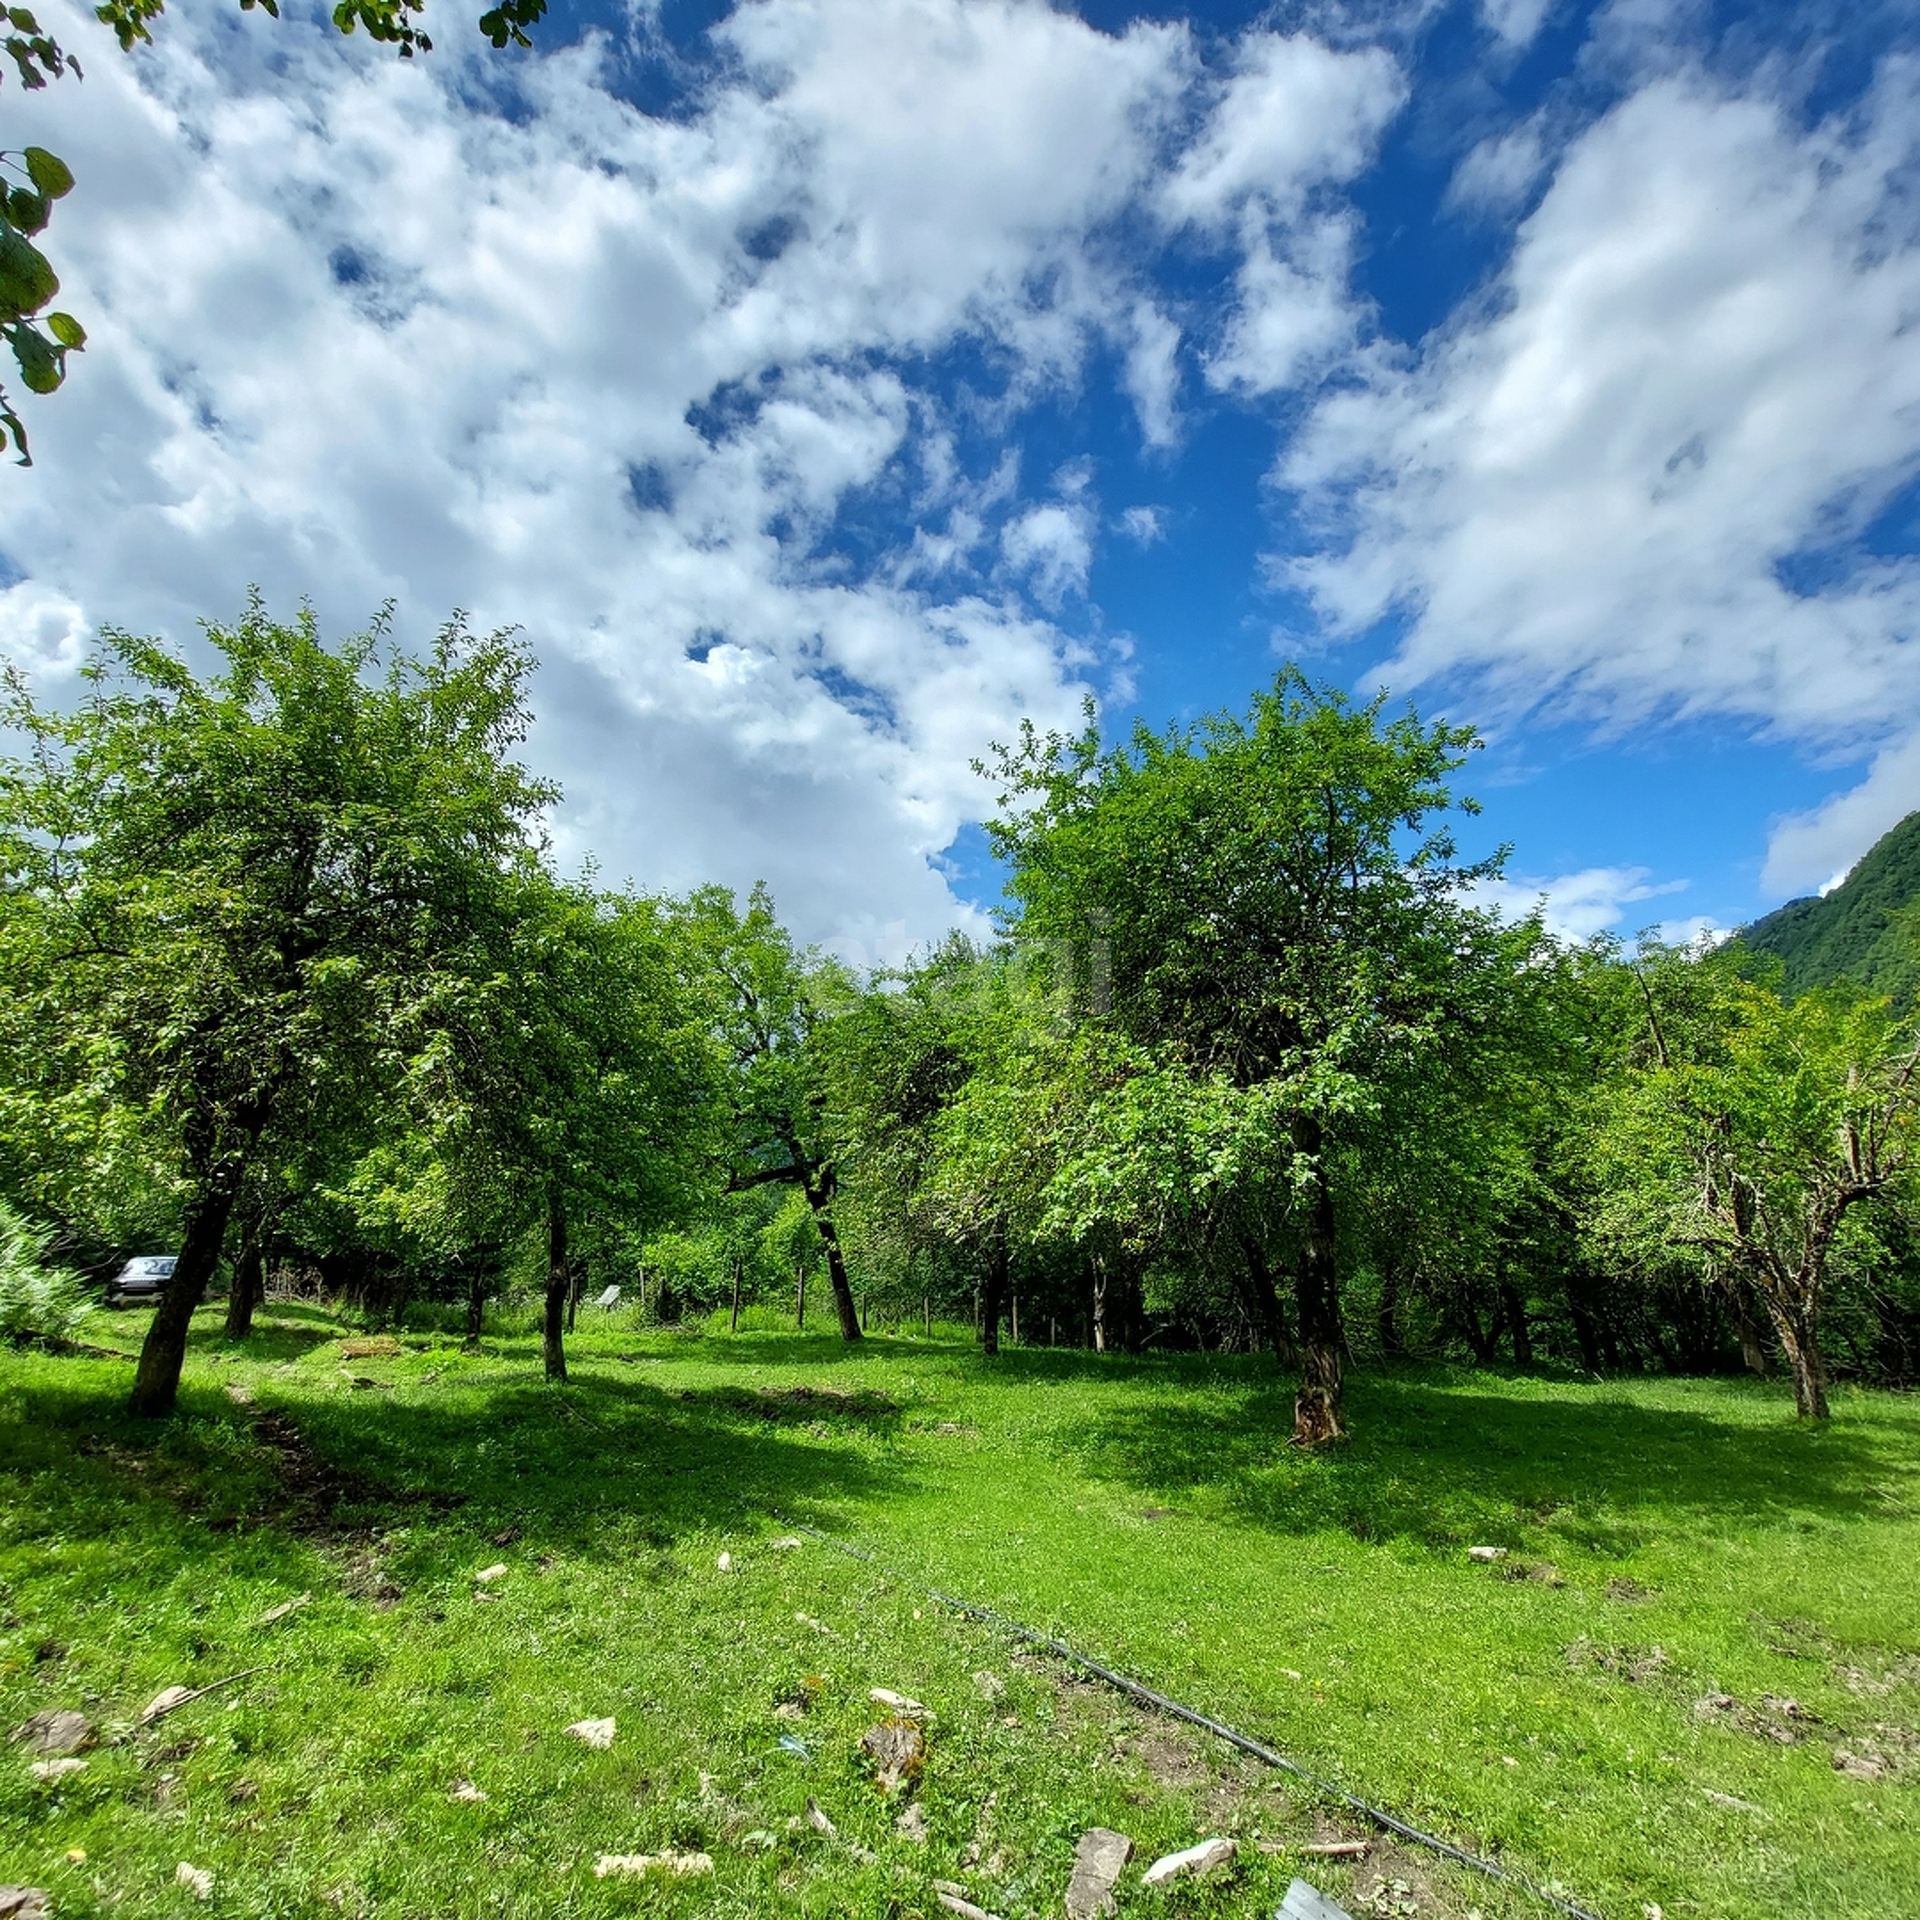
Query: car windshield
pixel 159 1265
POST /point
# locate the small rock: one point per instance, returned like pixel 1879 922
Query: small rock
pixel 1305 1901
pixel 957 1902
pixel 61 1731
pixel 992 1687
pixel 900 1749
pixel 1190 1862
pixel 1486 1553
pixel 164 1702
pixel 680 1864
pixel 789 1710
pixel 197 1880
pixel 597 1734
pixel 1856 1766
pixel 897 1703
pixel 487 1575
pixel 1336 1849
pixel 285 1608
pixel 59 1769
pixel 25 1903
pixel 725 1563
pixel 466 1790
pixel 1098 1859
pixel 912 1825
pixel 786 1543
pixel 239 1395
pixel 1729 1801
pixel 817 1820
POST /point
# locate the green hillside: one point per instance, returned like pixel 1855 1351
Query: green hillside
pixel 1858 931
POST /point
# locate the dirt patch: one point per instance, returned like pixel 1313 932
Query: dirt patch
pixel 1772 1717
pixel 1628 1591
pixel 1635 1665
pixel 1883 1752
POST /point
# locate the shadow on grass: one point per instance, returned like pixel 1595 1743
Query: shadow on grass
pixel 598 1468
pixel 1438 1460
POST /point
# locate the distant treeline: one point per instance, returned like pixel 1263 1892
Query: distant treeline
pixel 289 985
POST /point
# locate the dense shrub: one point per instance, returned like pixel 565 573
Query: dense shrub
pixel 35 1299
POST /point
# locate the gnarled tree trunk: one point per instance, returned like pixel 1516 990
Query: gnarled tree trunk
pixel 1800 1342
pixel 249 1276
pixel 156 1381
pixel 1262 1299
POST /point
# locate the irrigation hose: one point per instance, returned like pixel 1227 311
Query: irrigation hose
pixel 1148 1697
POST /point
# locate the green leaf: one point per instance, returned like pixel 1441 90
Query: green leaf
pixel 28 211
pixel 48 172
pixel 11 423
pixel 67 330
pixel 27 278
pixel 40 361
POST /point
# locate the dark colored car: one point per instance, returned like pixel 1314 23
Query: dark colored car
pixel 143 1278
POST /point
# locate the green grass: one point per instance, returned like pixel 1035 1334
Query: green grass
pixel 1144 1510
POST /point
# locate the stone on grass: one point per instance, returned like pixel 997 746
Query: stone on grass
pixel 59 1769
pixel 679 1864
pixel 25 1903
pixel 597 1734
pixel 1486 1553
pixel 285 1608
pixel 164 1702
pixel 57 1732
pixel 897 1703
pixel 992 1687
pixel 1305 1901
pixel 955 1900
pixel 818 1820
pixel 487 1575
pixel 1190 1863
pixel 786 1543
pixel 466 1790
pixel 899 1749
pixel 912 1825
pixel 197 1880
pixel 1097 1861
pixel 725 1563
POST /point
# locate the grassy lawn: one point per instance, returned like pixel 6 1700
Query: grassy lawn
pixel 1641 1704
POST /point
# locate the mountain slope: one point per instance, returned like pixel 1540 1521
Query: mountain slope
pixel 1853 933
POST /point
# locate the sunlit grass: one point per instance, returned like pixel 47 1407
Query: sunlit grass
pixel 1679 1540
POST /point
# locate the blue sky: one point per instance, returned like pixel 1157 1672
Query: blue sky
pixel 822 385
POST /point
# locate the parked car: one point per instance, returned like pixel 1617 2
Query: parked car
pixel 143 1278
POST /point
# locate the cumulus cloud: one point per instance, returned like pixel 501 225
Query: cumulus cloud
pixel 1815 850
pixel 1576 906
pixel 1293 119
pixel 1144 525
pixel 1632 483
pixel 612 376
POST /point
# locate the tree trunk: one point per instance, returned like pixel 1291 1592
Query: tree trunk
pixel 993 1302
pixel 1014 1319
pixel 476 1304
pixel 1263 1301
pixel 1099 1303
pixel 1393 1340
pixel 1800 1341
pixel 733 1324
pixel 1753 1351
pixel 553 1346
pixel 156 1381
pixel 1323 1338
pixel 1584 1330
pixel 576 1283
pixel 1517 1329
pixel 249 1277
pixel 819 1188
pixel 800 1294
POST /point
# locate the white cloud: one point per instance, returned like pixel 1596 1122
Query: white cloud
pixel 1515 23
pixel 612 377
pixel 1144 525
pixel 1816 850
pixel 1497 174
pixel 1698 365
pixel 1576 906
pixel 1294 118
pixel 1052 546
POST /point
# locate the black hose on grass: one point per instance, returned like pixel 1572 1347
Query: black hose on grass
pixel 1138 1690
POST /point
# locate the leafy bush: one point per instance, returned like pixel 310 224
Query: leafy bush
pixel 35 1299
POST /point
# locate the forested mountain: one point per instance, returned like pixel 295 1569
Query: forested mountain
pixel 1855 932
